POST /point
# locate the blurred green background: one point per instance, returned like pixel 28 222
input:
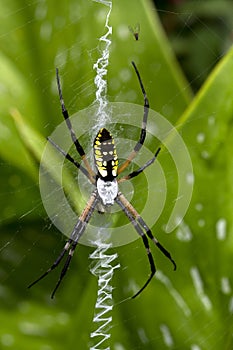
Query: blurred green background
pixel 184 55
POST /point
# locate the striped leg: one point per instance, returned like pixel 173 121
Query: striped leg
pixel 72 242
pixel 72 160
pixel 143 128
pixel 145 242
pixel 140 170
pixel 134 217
pixel 65 113
pixel 55 264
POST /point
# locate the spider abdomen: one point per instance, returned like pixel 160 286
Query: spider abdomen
pixel 105 155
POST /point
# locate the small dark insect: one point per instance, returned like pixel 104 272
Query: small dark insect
pixel 135 31
pixel 105 180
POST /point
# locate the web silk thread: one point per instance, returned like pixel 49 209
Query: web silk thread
pixel 100 66
pixel 104 270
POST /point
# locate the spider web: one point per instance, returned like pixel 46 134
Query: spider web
pixel 29 245
pixel 103 268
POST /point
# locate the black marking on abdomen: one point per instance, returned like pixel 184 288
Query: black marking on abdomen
pixel 105 155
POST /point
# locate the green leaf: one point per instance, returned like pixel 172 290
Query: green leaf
pixel 187 309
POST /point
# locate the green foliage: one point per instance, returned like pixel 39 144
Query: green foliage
pixel 187 309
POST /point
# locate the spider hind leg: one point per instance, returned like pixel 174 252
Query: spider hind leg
pixel 55 264
pixel 144 231
pixel 65 267
pixel 156 242
pixel 72 242
pixel 152 265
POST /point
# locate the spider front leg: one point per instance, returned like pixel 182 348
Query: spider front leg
pixel 143 127
pixel 76 142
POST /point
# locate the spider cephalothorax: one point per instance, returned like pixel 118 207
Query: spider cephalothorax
pixel 105 183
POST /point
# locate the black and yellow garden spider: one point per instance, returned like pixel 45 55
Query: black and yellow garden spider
pixel 106 191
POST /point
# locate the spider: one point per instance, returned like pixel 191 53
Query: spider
pixel 106 190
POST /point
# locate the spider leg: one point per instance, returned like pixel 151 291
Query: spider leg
pixel 140 220
pixel 77 233
pixel 145 242
pixel 143 128
pixel 156 242
pixel 72 160
pixel 65 113
pixel 55 264
pixel 140 170
pixel 127 207
pixel 72 242
pixel 65 267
